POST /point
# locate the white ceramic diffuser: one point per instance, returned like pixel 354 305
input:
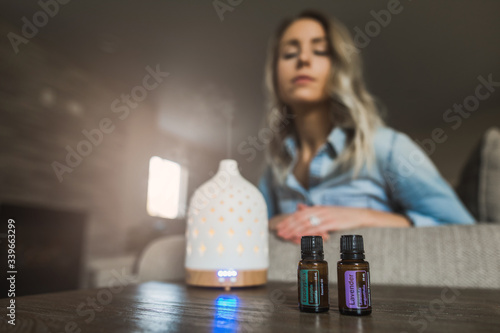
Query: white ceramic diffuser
pixel 227 232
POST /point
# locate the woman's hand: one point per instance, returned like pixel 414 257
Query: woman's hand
pixel 274 221
pixel 332 218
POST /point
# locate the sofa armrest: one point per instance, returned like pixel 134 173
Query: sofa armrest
pixel 162 260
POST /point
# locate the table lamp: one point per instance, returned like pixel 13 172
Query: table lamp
pixel 227 232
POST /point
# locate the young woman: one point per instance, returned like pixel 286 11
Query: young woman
pixel 332 164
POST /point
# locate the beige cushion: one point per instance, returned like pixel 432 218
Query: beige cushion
pixel 454 255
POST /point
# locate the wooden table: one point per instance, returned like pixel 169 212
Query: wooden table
pixel 170 307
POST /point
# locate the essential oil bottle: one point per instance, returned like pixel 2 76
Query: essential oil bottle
pixel 353 277
pixel 312 274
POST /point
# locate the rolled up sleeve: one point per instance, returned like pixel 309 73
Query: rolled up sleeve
pixel 419 189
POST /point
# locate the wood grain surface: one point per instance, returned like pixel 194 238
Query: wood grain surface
pixel 175 307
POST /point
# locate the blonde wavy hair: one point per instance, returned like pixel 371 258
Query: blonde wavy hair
pixel 353 108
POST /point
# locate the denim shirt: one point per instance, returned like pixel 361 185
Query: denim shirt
pixel 402 179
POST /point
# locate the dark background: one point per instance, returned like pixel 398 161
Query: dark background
pixel 64 79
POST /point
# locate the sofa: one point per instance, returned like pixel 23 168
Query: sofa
pixel 449 255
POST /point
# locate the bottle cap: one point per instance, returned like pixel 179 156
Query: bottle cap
pixel 351 244
pixel 311 244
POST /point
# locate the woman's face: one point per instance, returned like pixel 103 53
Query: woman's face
pixel 304 63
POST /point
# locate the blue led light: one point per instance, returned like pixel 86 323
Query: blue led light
pixel 226 302
pixel 226 314
pixel 227 273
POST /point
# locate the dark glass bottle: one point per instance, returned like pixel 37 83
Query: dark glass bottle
pixel 312 274
pixel 353 276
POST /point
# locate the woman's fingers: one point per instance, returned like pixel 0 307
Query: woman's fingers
pixel 284 222
pixel 313 232
pixel 305 222
pixel 288 224
pixel 294 219
pixel 325 237
pixel 301 206
pixel 299 223
pixel 283 228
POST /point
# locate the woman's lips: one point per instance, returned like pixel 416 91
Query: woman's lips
pixel 302 79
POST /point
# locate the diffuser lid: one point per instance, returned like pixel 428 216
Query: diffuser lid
pixel 229 166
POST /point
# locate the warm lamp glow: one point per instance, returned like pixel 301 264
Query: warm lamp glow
pixel 167 186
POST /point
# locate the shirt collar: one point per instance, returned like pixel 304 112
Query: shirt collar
pixel 336 140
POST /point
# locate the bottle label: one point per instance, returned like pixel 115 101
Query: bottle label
pixel 309 287
pixel 357 289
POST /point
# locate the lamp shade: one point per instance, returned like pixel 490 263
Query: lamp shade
pixel 227 232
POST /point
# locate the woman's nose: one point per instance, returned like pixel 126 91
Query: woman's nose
pixel 304 58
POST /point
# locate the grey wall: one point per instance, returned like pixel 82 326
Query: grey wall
pixel 427 58
pixel 46 104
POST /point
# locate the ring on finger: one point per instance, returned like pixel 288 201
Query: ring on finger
pixel 314 220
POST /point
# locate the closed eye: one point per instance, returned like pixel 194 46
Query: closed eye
pixel 294 54
pixel 290 55
pixel 322 53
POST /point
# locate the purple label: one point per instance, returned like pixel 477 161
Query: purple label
pixel 357 289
